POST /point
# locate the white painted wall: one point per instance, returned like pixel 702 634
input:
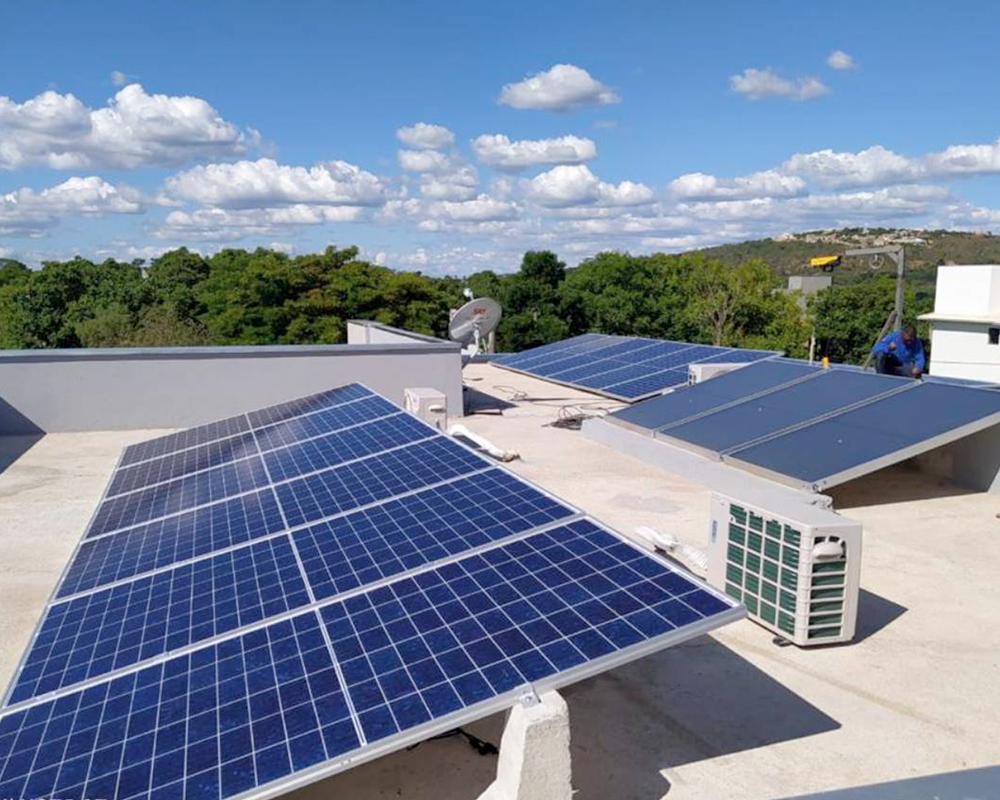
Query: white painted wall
pixel 179 387
pixel 963 350
pixel 967 290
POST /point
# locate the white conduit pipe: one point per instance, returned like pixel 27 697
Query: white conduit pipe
pixel 484 444
pixel 692 556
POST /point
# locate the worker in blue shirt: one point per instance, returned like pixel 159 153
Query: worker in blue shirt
pixel 900 353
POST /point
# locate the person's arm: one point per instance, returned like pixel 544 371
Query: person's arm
pixel 882 345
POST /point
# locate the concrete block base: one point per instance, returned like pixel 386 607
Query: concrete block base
pixel 534 761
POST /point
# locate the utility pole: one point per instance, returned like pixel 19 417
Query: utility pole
pixel 897 254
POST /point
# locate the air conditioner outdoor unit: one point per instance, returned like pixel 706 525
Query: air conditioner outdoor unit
pixel 797 571
pixel 427 404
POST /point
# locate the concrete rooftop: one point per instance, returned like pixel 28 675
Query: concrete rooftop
pixel 727 715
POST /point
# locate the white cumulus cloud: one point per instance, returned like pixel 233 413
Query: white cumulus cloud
pixel 262 183
pixel 229 225
pixel 134 129
pixel 769 183
pixel 759 83
pixel 499 152
pixel 566 186
pixel 424 136
pixel 562 87
pixel 838 59
pixel 27 212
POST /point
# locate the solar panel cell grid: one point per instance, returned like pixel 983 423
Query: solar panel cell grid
pixel 167 541
pixel 182 462
pixel 304 405
pixel 596 339
pixel 650 384
pixel 611 367
pixel 340 446
pixel 376 478
pixel 217 722
pixel 322 422
pixel 178 495
pixel 131 622
pixel 198 564
pixel 463 633
pixel 154 448
pixel 404 534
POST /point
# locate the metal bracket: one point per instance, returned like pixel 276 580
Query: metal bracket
pixel 528 697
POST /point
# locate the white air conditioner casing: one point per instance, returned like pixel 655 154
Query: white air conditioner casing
pixel 797 571
pixel 427 404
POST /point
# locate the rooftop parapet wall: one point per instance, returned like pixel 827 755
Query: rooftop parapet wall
pixel 45 391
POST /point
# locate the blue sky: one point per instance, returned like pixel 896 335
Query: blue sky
pixel 129 128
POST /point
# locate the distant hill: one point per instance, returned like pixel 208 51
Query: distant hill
pixel 925 251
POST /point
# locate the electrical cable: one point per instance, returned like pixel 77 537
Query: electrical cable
pixel 481 746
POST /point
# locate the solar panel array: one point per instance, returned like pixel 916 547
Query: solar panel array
pixel 625 368
pixel 277 596
pixel 812 427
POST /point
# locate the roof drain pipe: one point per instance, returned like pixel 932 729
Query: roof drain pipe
pixel 694 558
pixel 483 444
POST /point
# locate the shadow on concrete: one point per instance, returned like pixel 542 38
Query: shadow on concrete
pixel 899 483
pixel 478 402
pixel 697 701
pixel 874 614
pixel 13 447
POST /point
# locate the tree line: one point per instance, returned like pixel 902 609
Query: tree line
pixel 238 297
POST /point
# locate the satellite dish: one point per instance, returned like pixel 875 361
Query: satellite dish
pixel 474 321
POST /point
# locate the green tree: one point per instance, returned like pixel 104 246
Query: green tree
pixel 849 317
pixel 530 301
pixel 12 271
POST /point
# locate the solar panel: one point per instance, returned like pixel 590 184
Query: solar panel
pixel 366 546
pixel 624 368
pixel 384 583
pixel 106 630
pixel 107 559
pixel 752 419
pixel 721 390
pixel 181 494
pixel 883 432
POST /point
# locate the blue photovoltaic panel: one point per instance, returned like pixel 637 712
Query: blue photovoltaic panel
pixel 178 495
pixel 630 347
pixel 721 390
pixel 326 421
pixel 368 546
pixel 735 356
pixel 820 452
pixel 627 368
pixel 557 356
pixel 376 478
pixel 304 405
pixel 461 634
pixel 570 362
pixel 340 446
pixel 154 448
pixel 729 428
pixel 131 622
pixel 592 339
pixel 594 368
pixel 181 462
pixel 161 669
pixel 211 724
pixel 167 541
pixel 650 384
